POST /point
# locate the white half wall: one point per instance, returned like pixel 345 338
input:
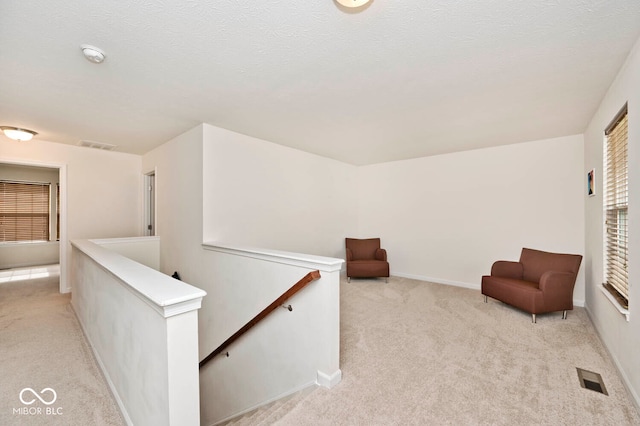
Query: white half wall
pixel 100 190
pixel 622 338
pixel 447 218
pixel 17 255
pixel 142 328
pixel 284 353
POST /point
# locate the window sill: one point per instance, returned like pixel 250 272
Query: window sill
pixel 26 243
pixel 615 303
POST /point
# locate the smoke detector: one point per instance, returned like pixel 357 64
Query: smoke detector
pixel 92 53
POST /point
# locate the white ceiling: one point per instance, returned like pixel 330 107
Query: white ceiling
pixel 397 80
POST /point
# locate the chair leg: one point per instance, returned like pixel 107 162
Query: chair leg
pixel 348 279
pixel 564 315
pixel 386 280
pixel 533 318
pixel 485 298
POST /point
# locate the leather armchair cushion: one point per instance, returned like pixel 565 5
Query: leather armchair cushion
pixel 368 268
pixel 523 294
pixel 363 249
pixel 535 263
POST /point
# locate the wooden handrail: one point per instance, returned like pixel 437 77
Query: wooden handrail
pixel 311 276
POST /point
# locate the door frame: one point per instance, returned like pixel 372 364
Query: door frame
pixel 149 197
pixel 64 247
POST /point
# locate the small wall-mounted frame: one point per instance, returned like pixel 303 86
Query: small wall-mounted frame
pixel 591 183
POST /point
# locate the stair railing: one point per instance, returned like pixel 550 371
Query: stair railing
pixel 311 276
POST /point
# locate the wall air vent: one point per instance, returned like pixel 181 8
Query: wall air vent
pixel 97 145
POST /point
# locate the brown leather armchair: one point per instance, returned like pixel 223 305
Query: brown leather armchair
pixel 540 282
pixel 366 259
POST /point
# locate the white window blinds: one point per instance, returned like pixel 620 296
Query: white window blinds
pixel 616 201
pixel 24 211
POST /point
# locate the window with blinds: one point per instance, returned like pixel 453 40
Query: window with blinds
pixel 24 211
pixel 616 201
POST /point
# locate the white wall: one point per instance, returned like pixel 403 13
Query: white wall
pixel 254 193
pixel 18 255
pixel 262 194
pixel 622 338
pixel 178 168
pixel 447 218
pixel 213 184
pixel 103 189
pixel 143 250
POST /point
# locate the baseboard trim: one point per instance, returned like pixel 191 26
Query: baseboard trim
pixel 635 398
pixel 576 302
pixel 103 370
pixel 579 303
pixel 438 280
pixel 329 380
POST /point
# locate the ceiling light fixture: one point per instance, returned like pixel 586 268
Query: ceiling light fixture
pixel 92 53
pixel 18 134
pixel 353 3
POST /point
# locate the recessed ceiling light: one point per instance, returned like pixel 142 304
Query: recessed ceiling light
pixel 353 3
pixel 92 53
pixel 18 134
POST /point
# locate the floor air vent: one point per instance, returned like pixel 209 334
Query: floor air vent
pixel 591 380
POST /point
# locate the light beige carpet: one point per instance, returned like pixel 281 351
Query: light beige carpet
pixel 415 353
pixel 42 346
pixel 412 353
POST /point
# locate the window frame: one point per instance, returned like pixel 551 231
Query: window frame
pixel 615 203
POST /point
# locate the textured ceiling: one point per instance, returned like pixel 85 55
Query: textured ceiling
pixel 399 79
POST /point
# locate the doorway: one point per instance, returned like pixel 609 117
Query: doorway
pixel 40 252
pixel 150 204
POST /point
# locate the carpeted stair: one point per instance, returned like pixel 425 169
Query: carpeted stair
pixel 269 414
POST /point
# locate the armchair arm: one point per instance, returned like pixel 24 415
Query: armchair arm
pixel 381 254
pixel 507 269
pixel 557 289
pixel 349 255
